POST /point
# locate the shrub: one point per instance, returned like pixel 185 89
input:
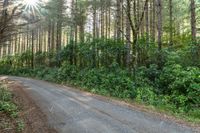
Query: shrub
pixel 181 83
pixel 4 94
pixel 67 72
pixel 5 102
pixel 146 95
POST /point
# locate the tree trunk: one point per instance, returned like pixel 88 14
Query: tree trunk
pixel 15 45
pixel 59 35
pixel 32 50
pixel 154 21
pixel 193 20
pixel 147 23
pixel 170 24
pixel 128 36
pixel 118 20
pixel 102 19
pixel 109 22
pixel 82 32
pixel 52 37
pixel 94 21
pixel 159 14
pixel 49 36
pixel 27 36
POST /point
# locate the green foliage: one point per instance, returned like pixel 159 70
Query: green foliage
pixel 146 95
pixel 97 53
pixel 20 126
pixel 6 104
pixel 99 66
pixel 40 58
pixel 67 72
pixel 4 94
pixel 177 81
pixel 98 80
pixel 116 84
pixel 8 107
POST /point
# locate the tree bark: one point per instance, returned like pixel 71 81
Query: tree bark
pixel 49 36
pixel 147 23
pixel 170 25
pixel 118 20
pixel 32 50
pixel 193 20
pixel 128 37
pixel 94 20
pixel 154 21
pixel 102 19
pixel 159 14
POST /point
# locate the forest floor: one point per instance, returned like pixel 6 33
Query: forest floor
pixel 33 120
pixel 70 110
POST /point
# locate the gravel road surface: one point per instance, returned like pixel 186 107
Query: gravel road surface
pixel 72 111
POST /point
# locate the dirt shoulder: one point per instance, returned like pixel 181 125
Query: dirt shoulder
pixel 35 121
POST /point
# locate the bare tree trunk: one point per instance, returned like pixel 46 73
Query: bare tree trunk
pixel 94 20
pixel 109 22
pixel 52 36
pixel 135 30
pixel 39 39
pixel 128 36
pixel 0 51
pixel 137 12
pixel 159 14
pixel 106 34
pixel 32 50
pixel 118 20
pixel 4 17
pixel 159 26
pixel 19 44
pixel 10 46
pixel 122 20
pixel 76 34
pixel 147 23
pixel 170 24
pixel 46 45
pixel 82 32
pixel 15 51
pixel 49 36
pixel 154 21
pixel 102 19
pixel 193 20
pixel 59 35
pixel 27 36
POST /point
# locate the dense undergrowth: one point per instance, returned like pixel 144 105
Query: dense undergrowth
pixel 100 67
pixel 10 109
pixel 6 104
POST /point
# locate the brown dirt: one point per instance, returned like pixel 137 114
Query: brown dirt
pixel 35 121
pixel 7 124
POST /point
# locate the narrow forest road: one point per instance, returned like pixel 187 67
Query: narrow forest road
pixel 72 111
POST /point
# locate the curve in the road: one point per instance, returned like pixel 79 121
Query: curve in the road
pixel 70 111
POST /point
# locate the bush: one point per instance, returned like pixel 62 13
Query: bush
pixel 182 84
pixel 146 95
pixel 67 72
pixel 5 102
pixel 4 94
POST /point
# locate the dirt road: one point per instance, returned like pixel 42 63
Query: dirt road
pixel 72 111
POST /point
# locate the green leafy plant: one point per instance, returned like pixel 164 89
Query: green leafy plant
pixel 6 104
pixel 20 126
